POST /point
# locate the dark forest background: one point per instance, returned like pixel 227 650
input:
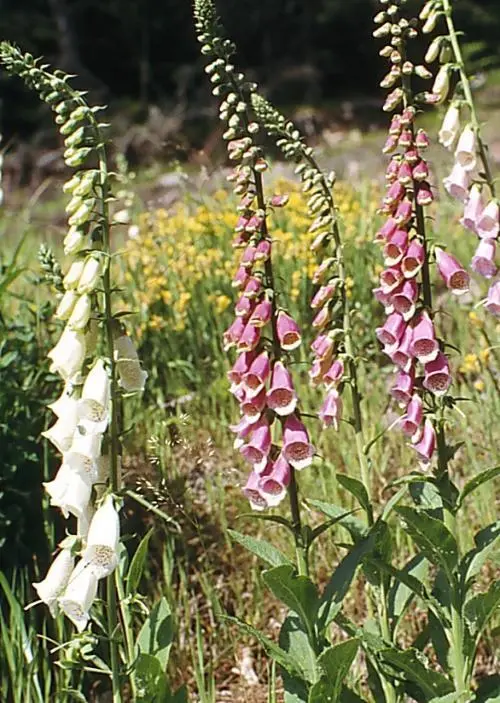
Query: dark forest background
pixel 133 54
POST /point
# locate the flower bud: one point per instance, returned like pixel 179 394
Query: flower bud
pixel 66 305
pixel 80 315
pixel 90 275
pixel 72 277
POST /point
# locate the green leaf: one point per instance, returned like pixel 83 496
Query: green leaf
pixel 296 690
pixel 479 609
pixel 320 529
pixel 137 564
pixel 357 489
pixel 414 667
pixel 180 696
pixel 452 698
pixel 297 592
pixel 488 690
pixel 294 640
pixel 350 696
pixel 156 635
pixel 151 681
pixel 477 481
pixel 341 579
pixel 356 528
pixel 335 663
pixel 432 537
pixel 487 542
pixel 271 648
pixel 264 550
pixel 409 581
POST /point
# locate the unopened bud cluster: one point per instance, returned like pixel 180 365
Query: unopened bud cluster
pixel 269 434
pixel 408 334
pixel 470 180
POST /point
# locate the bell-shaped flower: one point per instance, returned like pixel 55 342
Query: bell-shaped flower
pixel 79 595
pixel 281 396
pixel 73 274
pixel 250 338
pixel 323 295
pixel 253 405
pixel 473 208
pixel 273 485
pixel 68 354
pixel 411 421
pixel 84 453
pixel 387 230
pixel 390 279
pixel 101 552
pixel 334 374
pixel 323 346
pixel 297 449
pixel 488 222
pixel 66 304
pixel 331 410
pixel 396 247
pixel 401 355
pixel 391 331
pixel 240 367
pixel 424 345
pixel 240 278
pixel 425 195
pixel 73 241
pixel 317 371
pixel 252 492
pixel 244 306
pixel 83 522
pixel 257 450
pixel 90 275
pixel 413 260
pixel 384 298
pixel 288 331
pixel 450 127
pixel 421 171
pixel 405 297
pixel 256 377
pixel 54 583
pixel 483 261
pixel 94 405
pixel 70 491
pixel 426 443
pixel 493 300
pixel 80 314
pixel 457 183
pixel 62 431
pixel 452 272
pixel 465 153
pixel 437 378
pixel 131 377
pixel 261 314
pixel 402 388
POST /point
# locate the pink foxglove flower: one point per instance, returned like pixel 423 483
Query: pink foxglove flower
pixel 257 450
pixel 391 331
pixel 250 338
pixel 411 421
pixel 424 194
pixel 402 389
pixel 101 552
pixel 297 449
pixel 255 378
pixel 404 298
pixel 413 260
pixel 421 172
pixel 323 346
pixel 387 229
pixel 244 307
pixel 242 430
pixel 252 492
pixel 233 334
pixel 403 213
pixel 457 183
pixel 334 374
pixel 424 344
pixel 401 356
pixel 473 208
pixel 263 250
pixel 241 278
pixel 390 279
pixel 396 247
pixel 405 173
pixel 437 377
pixel 331 409
pixel 450 127
pixel 79 595
pixel 252 288
pixel 253 405
pixel 261 314
pixel 452 272
pixel 288 331
pixel 317 371
pixel 240 367
pixel 273 485
pixel 465 153
pixel 493 301
pixel 488 222
pixel 483 261
pixel 56 580
pixel 384 298
pixel 281 396
pixel 323 295
pixel 425 445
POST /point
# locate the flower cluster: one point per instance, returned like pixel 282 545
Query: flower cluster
pixel 260 379
pixel 470 180
pixel 85 431
pixel 408 334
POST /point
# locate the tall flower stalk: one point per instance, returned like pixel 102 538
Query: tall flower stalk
pixel 86 432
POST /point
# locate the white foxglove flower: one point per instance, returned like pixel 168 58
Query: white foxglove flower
pixel 90 275
pixel 66 305
pixel 132 377
pixel 80 315
pixel 69 354
pixel 83 455
pixel 73 275
pixel 83 522
pixel 70 491
pixel 95 401
pixel 64 404
pixel 101 553
pixel 62 431
pixel 79 595
pixel 56 580
pixel 465 153
pixel 73 241
pixel 450 127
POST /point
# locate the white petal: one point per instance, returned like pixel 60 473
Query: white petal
pixel 79 595
pixel 56 579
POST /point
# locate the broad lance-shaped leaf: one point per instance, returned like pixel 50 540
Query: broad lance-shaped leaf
pixel 480 608
pixel 335 663
pixel 264 550
pixel 151 680
pixel 341 579
pixel 156 635
pixel 294 641
pixel 476 481
pixel 357 489
pixel 137 564
pixel 432 537
pixel 452 698
pixel 487 542
pixel 297 592
pixel 414 667
pixel 271 648
pixel 356 528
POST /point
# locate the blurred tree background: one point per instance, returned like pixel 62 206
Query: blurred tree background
pixel 135 53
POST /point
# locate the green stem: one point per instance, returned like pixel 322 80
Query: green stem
pixel 112 632
pixel 466 87
pixel 126 621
